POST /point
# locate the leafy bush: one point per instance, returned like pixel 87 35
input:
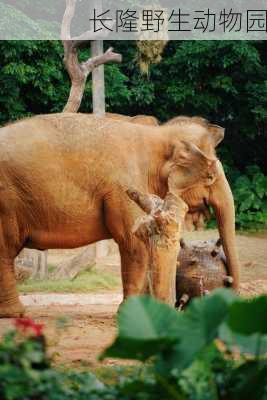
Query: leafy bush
pixel 215 350
pixel 33 80
pixel 250 195
pixel 250 192
pixel 26 372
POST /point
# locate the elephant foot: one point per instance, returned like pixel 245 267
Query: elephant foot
pixel 16 310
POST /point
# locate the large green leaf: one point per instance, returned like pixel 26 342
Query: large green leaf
pixel 146 318
pixel 249 316
pixel 255 344
pixel 198 328
pixel 146 327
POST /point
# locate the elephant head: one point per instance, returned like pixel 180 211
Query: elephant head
pixel 212 187
pixel 219 196
pixel 187 166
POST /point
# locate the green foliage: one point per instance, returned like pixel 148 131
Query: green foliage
pixel 151 329
pixel 185 355
pixel 33 80
pixel 203 78
pixel 177 337
pixel 26 373
pixel 250 193
pixel 190 364
pixel 249 317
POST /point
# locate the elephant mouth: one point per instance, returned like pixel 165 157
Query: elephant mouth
pixel 199 208
pixel 202 206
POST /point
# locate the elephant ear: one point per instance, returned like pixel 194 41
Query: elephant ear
pixel 188 155
pixel 189 166
pixel 216 134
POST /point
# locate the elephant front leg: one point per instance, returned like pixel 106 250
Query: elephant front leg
pixel 10 305
pixel 134 263
pixel 120 214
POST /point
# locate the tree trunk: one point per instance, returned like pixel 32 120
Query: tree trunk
pixel 160 230
pixel 34 261
pixel 99 109
pixel 71 268
pixel 98 80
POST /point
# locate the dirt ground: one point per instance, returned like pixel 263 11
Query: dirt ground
pixel 78 327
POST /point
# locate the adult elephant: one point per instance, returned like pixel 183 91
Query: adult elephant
pixel 63 182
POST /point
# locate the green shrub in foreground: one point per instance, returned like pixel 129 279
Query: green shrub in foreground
pixel 216 349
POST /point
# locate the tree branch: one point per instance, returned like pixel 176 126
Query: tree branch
pixel 67 19
pixel 79 72
pixel 148 203
pixel 108 57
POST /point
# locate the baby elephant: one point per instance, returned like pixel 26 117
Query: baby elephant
pixel 201 267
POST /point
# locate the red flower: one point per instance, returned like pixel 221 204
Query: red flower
pixel 25 324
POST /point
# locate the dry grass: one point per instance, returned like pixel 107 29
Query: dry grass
pixel 88 281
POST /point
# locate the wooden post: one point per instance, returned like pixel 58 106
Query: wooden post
pixel 98 80
pixel 98 74
pixel 160 231
pixel 98 85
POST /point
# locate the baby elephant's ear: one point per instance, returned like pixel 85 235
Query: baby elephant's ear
pixel 189 156
pixel 217 134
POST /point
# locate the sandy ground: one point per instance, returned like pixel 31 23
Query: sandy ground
pixel 76 334
pixel 78 327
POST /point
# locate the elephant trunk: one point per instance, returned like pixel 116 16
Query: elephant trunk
pixel 221 199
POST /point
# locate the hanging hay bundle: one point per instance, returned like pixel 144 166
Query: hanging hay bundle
pixel 149 52
pixel 151 44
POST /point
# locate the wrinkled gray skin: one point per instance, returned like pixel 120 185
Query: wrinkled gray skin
pixel 63 182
